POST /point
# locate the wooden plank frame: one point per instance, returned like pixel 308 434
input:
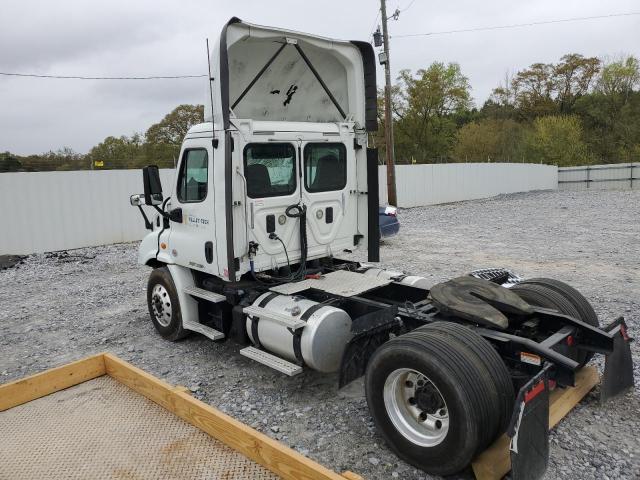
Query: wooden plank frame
pixel 260 448
pixel 495 462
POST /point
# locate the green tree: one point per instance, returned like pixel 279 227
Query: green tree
pixel 490 139
pixel 557 140
pixel 611 114
pixel 573 76
pixel 533 89
pixel 174 126
pixel 118 153
pixel 9 162
pixel 163 139
pixel 611 125
pixel 425 107
pixel 545 88
pixel 620 77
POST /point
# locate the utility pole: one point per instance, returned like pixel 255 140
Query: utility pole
pixel 388 119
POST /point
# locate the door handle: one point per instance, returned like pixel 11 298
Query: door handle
pixel 208 251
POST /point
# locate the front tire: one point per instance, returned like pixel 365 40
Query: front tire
pixel 429 401
pixel 164 305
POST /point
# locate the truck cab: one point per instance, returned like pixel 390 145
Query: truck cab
pixel 280 171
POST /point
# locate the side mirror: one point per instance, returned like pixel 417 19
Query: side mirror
pixel 152 185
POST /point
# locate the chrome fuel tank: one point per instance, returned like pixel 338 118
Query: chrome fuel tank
pixel 323 338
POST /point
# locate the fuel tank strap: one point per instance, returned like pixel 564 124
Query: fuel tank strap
pixel 297 347
pixel 297 334
pixel 254 331
pixel 255 319
pixel 263 303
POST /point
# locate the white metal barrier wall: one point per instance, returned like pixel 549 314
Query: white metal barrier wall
pixel 418 185
pixel 614 176
pixel 49 211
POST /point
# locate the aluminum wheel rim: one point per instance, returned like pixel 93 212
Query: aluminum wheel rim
pixel 161 305
pixel 421 427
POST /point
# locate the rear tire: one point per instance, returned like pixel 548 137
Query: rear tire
pixel 414 380
pixel 164 305
pixel 487 356
pixel 545 297
pixel 586 313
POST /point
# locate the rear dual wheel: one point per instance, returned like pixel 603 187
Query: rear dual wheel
pixel 557 295
pixel 438 395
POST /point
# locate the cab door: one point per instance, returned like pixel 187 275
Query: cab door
pixel 272 177
pixel 331 220
pixel 191 241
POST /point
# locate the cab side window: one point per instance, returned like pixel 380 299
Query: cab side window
pixel 192 179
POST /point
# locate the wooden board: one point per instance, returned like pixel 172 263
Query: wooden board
pixel 51 381
pixel 495 462
pixel 273 455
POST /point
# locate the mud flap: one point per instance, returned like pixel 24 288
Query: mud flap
pixel 369 332
pixel 618 369
pixel 529 429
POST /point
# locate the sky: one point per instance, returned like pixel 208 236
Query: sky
pixel 159 37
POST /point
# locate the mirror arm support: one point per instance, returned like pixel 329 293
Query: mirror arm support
pixel 147 224
pixel 174 215
pixel 161 211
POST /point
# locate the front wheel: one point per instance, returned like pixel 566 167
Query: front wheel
pixel 164 306
pixel 429 401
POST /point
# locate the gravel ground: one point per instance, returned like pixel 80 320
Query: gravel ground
pixel 55 308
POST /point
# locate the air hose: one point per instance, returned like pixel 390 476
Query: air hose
pixel 300 212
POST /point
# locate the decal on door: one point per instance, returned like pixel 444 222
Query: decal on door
pixel 197 221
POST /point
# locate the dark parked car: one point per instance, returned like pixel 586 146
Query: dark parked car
pixel 389 224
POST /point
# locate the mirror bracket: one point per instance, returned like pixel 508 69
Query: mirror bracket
pixel 147 224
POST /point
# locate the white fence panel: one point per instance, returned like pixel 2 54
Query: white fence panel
pixel 49 211
pixel 431 184
pixel 615 176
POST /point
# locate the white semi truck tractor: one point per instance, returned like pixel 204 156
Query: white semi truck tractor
pixel 246 245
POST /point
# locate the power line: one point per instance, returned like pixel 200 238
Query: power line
pixel 408 6
pixel 79 77
pixel 517 25
pixel 373 29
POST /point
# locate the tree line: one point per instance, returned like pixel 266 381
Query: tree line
pixel 580 110
pixel 160 145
